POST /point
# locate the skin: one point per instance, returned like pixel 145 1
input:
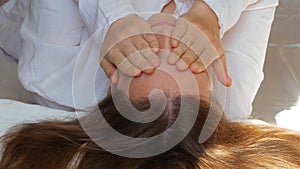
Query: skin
pixel 165 81
pixel 123 43
pixel 189 43
pixel 166 77
pixel 134 55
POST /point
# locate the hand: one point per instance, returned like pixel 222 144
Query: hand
pixel 130 47
pixel 197 44
pixel 162 25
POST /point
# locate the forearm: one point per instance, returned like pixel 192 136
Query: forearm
pixel 245 46
pixel 52 37
pixel 228 11
pixel 98 14
pixel 115 9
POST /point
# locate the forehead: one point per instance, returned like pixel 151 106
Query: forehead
pixel 167 79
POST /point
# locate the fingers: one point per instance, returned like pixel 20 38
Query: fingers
pixel 221 71
pixel 179 32
pixel 140 62
pixel 123 64
pixel 143 47
pixel 151 57
pixel 148 35
pixel 152 41
pixel 182 39
pixel 182 48
pixel 194 49
pixel 109 70
pixel 129 46
pixel 176 53
pixel 197 66
pixel 133 54
pixel 186 60
pixel 130 50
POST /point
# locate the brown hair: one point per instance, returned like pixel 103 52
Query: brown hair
pixel 3 2
pixel 64 144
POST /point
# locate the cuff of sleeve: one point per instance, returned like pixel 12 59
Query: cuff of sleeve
pixel 221 10
pixel 182 7
pixel 116 11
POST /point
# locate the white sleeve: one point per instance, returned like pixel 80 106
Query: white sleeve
pixel 11 16
pixel 96 12
pixel 245 47
pixel 115 9
pixel 229 11
pixel 53 35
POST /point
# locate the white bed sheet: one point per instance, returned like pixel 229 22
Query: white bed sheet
pixel 10 86
pixel 15 112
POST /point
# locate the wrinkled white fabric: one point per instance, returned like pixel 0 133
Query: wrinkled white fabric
pixel 48 38
pixel 229 11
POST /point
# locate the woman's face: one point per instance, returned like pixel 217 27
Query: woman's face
pixel 167 79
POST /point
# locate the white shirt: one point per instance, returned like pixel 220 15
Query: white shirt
pixel 52 34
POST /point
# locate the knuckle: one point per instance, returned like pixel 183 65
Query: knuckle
pixel 182 48
pixel 150 38
pixel 110 53
pixel 130 52
pixel 194 51
pixel 143 45
pixel 153 42
pixel 109 72
pixel 187 40
pixel 119 61
pixel 129 32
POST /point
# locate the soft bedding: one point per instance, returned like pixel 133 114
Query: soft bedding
pixel 15 112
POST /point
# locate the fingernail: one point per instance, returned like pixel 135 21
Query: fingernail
pixel 228 81
pixel 138 74
pixel 148 71
pixel 195 68
pixel 174 43
pixel 181 65
pixel 134 72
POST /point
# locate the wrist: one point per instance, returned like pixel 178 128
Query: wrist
pixel 204 12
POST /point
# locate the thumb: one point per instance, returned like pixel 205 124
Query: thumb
pixel 221 71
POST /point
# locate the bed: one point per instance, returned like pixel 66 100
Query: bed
pixel 16 108
pixel 277 101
